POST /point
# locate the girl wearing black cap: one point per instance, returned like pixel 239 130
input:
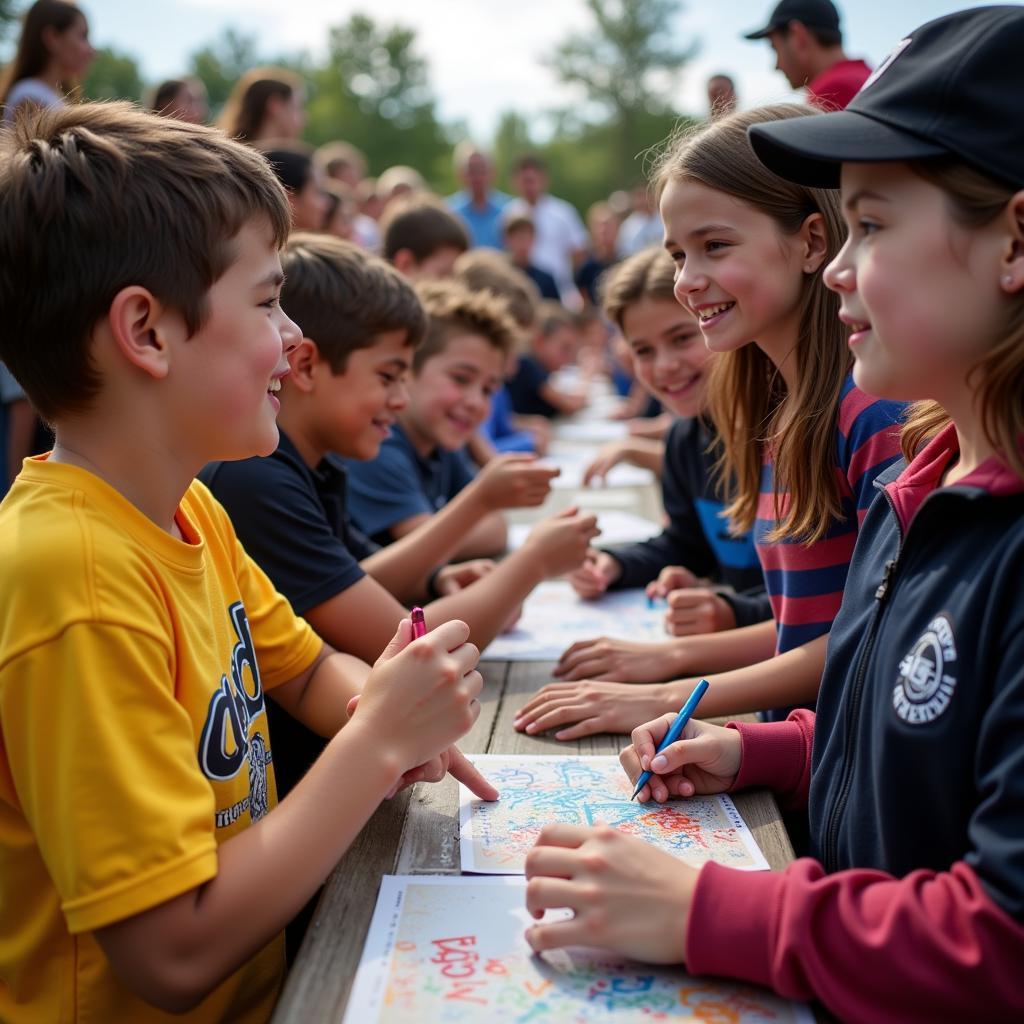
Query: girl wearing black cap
pixel 913 769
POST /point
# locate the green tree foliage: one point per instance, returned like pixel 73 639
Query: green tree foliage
pixel 374 92
pixel 8 18
pixel 627 67
pixel 113 75
pixel 221 63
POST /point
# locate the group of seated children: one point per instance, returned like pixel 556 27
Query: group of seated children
pixel 163 821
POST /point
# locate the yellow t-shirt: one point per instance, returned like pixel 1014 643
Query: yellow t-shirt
pixel 133 735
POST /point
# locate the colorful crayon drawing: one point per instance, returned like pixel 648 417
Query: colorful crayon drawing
pixel 537 790
pixel 451 950
pixel 554 617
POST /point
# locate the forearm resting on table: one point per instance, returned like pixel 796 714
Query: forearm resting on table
pixel 722 652
pixel 176 953
pixel 404 566
pixel 783 681
pixel 487 604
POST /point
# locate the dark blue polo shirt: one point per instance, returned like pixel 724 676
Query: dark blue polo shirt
pixel 400 483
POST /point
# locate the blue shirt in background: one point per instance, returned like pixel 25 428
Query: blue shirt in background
pixel 484 223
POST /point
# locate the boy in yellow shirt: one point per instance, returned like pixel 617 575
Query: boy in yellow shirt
pixel 144 866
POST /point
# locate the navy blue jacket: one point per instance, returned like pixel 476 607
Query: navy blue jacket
pixel 918 755
pixel 697 536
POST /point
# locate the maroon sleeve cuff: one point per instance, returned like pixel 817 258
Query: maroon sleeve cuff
pixel 730 924
pixel 777 755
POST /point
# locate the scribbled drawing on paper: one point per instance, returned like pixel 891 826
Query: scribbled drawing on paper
pixel 537 790
pixel 554 617
pixel 452 951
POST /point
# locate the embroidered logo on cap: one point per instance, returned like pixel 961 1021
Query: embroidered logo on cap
pixel 887 63
pixel 926 684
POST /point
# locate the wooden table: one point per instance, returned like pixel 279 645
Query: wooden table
pixel 418 833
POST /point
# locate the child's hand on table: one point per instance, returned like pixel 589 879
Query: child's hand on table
pixel 628 661
pixel 626 895
pixel 597 573
pixel 588 707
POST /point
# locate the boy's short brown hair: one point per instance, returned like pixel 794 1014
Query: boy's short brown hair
pixel 517 222
pixel 96 197
pixel 649 273
pixel 453 309
pixel 553 316
pixel 490 270
pixel 421 225
pixel 343 298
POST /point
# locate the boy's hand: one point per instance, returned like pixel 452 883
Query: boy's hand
pixel 514 481
pixel 597 573
pixel 672 577
pixel 589 707
pixel 452 762
pixel 626 895
pixel 628 661
pixel 421 694
pixel 705 760
pixel 455 577
pixel 560 544
pixel 695 610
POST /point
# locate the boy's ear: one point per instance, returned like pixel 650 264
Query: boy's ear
pixel 815 241
pixel 1011 271
pixel 143 328
pixel 404 262
pixel 303 360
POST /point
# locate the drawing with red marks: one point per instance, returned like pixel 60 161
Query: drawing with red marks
pixel 451 950
pixel 537 790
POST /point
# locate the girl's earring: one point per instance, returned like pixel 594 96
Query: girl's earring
pixel 1008 280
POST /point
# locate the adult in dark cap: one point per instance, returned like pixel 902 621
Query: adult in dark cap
pixel 808 45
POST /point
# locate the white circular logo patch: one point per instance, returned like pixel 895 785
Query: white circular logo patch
pixel 926 683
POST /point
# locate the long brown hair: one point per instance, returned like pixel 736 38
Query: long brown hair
pixel 32 56
pixel 747 397
pixel 975 200
pixel 246 107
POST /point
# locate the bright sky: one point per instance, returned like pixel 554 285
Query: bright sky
pixel 485 55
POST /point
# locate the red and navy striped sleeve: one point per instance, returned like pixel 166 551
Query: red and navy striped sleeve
pixel 805 581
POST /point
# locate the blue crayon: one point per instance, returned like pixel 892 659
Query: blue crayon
pixel 675 730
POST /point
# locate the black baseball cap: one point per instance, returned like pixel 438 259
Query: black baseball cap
pixel 952 87
pixel 813 13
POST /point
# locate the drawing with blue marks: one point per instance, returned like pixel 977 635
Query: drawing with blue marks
pixel 452 950
pixel 537 790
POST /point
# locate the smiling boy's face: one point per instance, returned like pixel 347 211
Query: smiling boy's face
pixel 354 410
pixel 225 376
pixel 451 395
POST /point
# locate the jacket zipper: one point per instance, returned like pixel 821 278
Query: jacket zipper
pixel 830 849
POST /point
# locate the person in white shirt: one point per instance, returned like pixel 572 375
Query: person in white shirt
pixel 561 241
pixel 53 54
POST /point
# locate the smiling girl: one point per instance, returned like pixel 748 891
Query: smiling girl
pixel 913 908
pixel 802 444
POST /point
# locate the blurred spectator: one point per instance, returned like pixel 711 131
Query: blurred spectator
pixel 642 227
pixel 808 47
pixel 603 226
pixel 52 56
pixel 265 103
pixel 722 99
pixel 479 204
pixel 293 164
pixel 561 239
pixel 370 208
pixel 341 161
pixel 399 180
pixel 519 234
pixel 422 238
pixel 181 98
pixel 340 210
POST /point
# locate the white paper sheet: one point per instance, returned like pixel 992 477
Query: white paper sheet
pixel 537 790
pixel 554 618
pixel 573 463
pixel 451 950
pixel 616 528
